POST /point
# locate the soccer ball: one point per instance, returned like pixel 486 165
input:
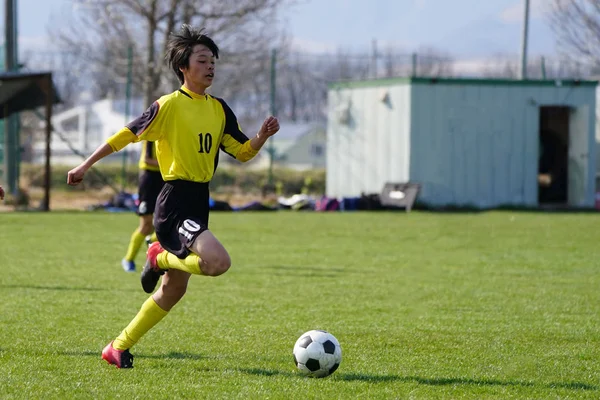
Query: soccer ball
pixel 317 354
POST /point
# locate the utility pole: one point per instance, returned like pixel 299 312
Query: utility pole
pixel 10 35
pixel 273 112
pixel 524 41
pixel 414 65
pixel 10 124
pixel 374 59
pixel 127 111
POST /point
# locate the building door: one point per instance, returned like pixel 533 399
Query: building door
pixel 553 162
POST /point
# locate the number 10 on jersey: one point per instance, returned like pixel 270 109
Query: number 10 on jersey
pixel 206 142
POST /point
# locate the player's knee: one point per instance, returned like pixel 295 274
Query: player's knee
pixel 217 265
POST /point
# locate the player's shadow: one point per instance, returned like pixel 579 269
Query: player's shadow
pixel 307 271
pixel 430 381
pixel 86 353
pixel 174 355
pixel 57 288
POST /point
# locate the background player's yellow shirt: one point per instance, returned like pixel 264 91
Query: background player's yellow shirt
pixel 189 129
pixel 148 152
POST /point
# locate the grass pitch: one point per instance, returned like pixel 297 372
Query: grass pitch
pixel 493 305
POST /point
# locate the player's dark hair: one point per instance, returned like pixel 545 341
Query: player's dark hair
pixel 181 44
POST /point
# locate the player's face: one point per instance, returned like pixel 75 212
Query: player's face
pixel 201 70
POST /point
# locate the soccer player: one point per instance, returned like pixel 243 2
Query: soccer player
pixel 189 127
pixel 149 187
pixel 1 193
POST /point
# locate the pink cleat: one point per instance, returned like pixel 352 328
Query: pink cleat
pixel 120 358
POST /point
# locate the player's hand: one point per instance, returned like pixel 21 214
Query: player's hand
pixel 270 126
pixel 75 176
pixel 1 193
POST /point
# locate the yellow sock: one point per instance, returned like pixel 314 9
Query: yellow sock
pixel 134 245
pixel 153 237
pixel 189 264
pixel 149 315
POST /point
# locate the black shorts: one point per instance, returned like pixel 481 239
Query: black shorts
pixel 181 215
pixel 149 187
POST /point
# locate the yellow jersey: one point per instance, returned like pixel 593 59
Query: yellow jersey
pixel 189 129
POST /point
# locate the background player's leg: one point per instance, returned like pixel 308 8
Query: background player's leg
pixel 137 239
pixel 151 239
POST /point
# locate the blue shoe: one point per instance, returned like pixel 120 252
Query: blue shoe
pixel 128 266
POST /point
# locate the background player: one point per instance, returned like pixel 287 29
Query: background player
pixel 150 184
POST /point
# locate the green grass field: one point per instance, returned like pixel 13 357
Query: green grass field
pixel 427 306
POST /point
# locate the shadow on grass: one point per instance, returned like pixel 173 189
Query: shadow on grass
pixel 266 372
pixel 172 355
pixel 430 381
pixel 81 353
pixel 310 272
pixel 464 381
pixel 44 287
pixel 472 209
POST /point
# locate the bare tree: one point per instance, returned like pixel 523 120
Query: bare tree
pixel 500 66
pixel 429 62
pixel 109 36
pixel 303 78
pixel 433 62
pixel 577 25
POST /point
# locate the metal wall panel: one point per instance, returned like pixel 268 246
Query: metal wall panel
pixel 478 145
pixel 468 142
pixel 367 139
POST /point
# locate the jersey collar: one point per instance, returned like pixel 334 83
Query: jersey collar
pixel 194 95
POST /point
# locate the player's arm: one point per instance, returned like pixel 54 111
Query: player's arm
pixel 251 147
pixel 145 127
pixel 269 127
pixel 235 143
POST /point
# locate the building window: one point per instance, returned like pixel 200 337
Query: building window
pixel 317 150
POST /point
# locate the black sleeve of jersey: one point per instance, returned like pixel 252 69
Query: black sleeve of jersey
pixel 231 123
pixel 139 125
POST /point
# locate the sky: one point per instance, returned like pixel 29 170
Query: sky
pixel 462 28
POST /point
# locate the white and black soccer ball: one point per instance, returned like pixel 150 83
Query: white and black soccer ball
pixel 317 354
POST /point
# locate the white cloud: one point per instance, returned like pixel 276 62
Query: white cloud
pixel 515 13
